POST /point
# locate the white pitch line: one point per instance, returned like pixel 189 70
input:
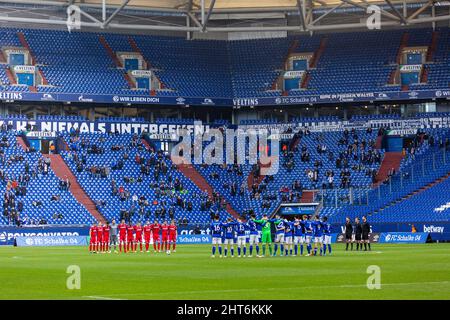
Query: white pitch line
pixel 102 298
pixel 271 289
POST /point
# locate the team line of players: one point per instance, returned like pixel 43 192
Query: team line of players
pixel 104 237
pixel 289 236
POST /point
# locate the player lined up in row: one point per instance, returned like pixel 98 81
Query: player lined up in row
pixel 289 236
pixel 104 237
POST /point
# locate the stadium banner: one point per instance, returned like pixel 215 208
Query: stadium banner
pixel 194 239
pixel 8 234
pixel 113 99
pixel 129 126
pixel 403 237
pixel 51 241
pixel 225 102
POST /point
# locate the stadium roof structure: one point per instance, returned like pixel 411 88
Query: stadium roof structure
pixel 225 15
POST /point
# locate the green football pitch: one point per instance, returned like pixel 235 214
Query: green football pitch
pixel 406 272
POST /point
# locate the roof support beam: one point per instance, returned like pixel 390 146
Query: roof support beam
pixel 386 14
pixel 208 15
pixel 123 5
pixel 402 18
pixel 194 18
pixel 327 13
pixel 301 14
pixel 420 10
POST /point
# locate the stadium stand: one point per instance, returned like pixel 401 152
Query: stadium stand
pixel 225 68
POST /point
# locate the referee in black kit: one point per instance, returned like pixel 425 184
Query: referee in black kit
pixel 348 233
pixel 365 233
pixel 358 234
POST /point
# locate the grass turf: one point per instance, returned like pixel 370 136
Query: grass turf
pixel 407 272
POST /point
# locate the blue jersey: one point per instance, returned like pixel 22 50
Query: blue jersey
pixel 279 225
pixel 229 229
pixel 252 226
pixel 298 228
pixel 326 228
pixel 240 228
pixel 216 229
pixel 289 228
pixel 309 227
pixel 318 229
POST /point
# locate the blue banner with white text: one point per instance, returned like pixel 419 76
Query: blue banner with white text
pixel 51 241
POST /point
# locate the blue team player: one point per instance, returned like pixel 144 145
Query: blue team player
pixel 288 237
pixel 216 232
pixel 229 235
pixel 299 237
pixel 254 235
pixel 309 229
pixel 318 235
pixel 280 225
pixel 326 235
pixel 241 228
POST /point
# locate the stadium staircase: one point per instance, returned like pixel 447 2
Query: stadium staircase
pixel 136 49
pixel 145 143
pixel 390 160
pixel 292 48
pixel 414 193
pixel 305 80
pixel 432 48
pixel 394 76
pixel 116 61
pixel 403 44
pixel 62 171
pixel 2 57
pixel 315 58
pixel 21 142
pixel 307 196
pixel 11 78
pixel 424 75
pixel 379 142
pixel 192 174
pixel 26 45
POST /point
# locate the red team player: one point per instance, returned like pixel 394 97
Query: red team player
pixel 130 237
pixel 147 233
pixel 172 236
pixel 165 236
pixel 138 237
pixel 106 229
pixel 122 236
pixel 155 230
pixel 93 239
pixel 99 237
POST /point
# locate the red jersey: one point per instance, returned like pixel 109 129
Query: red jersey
pixel 165 229
pixel 138 230
pixel 93 232
pixel 147 230
pixel 106 232
pixel 122 229
pixel 130 231
pixel 100 232
pixel 172 230
pixel 155 229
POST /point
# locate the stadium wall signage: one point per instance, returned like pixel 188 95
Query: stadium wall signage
pixel 102 126
pixel 8 234
pixel 51 241
pixel 403 237
pixel 194 239
pixel 227 102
